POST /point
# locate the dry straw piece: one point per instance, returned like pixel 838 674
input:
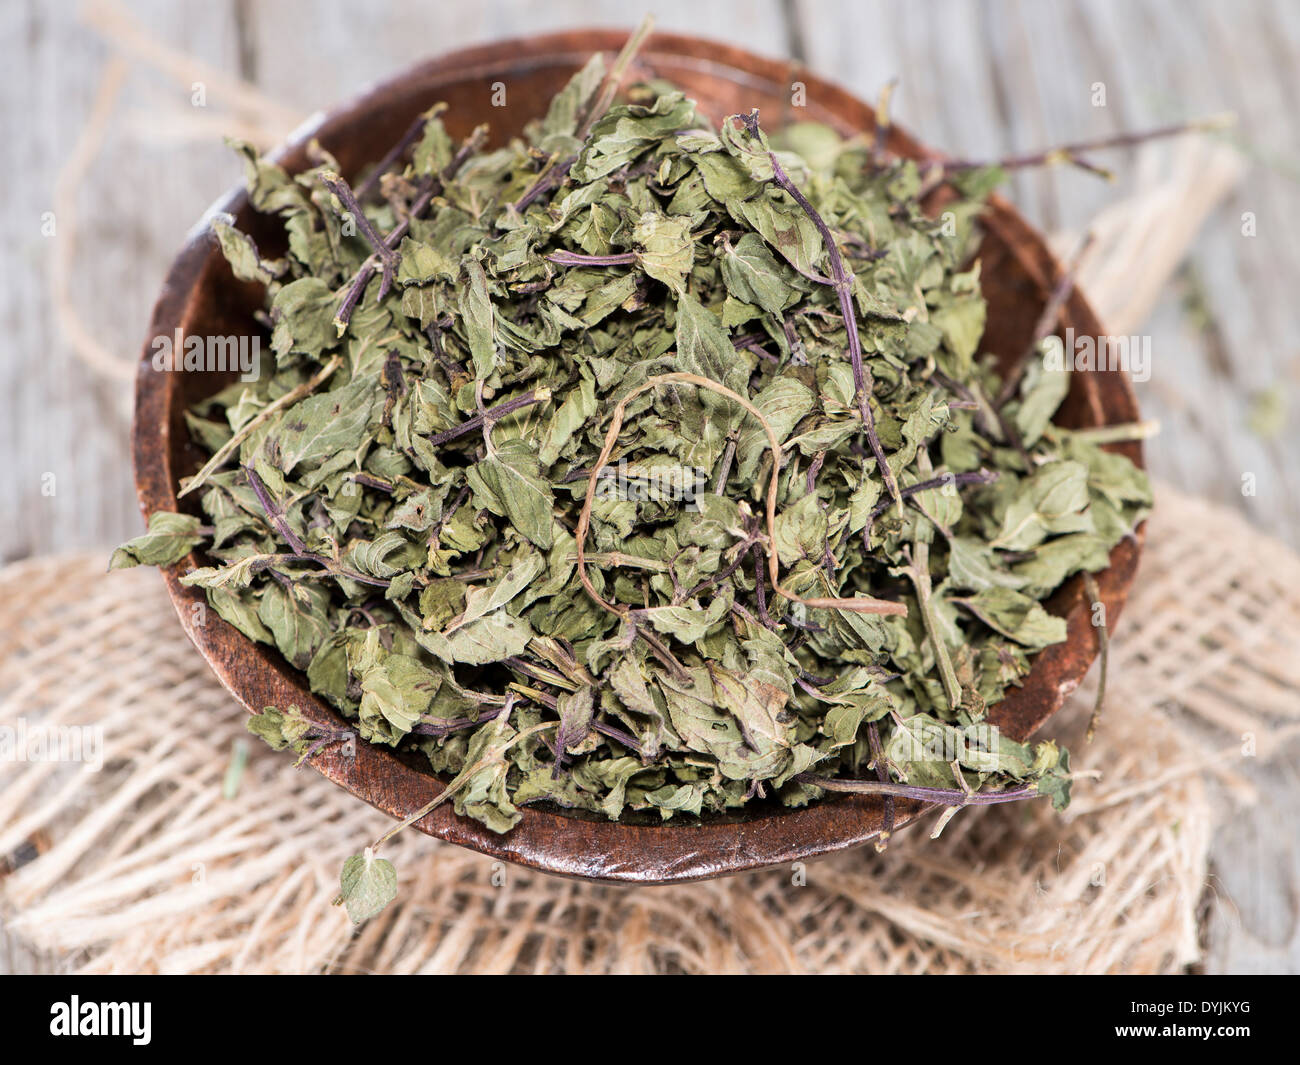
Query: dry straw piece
pixel 146 867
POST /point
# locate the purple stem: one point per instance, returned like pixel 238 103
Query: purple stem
pixel 490 415
pixel 731 568
pixel 1072 152
pixel 378 244
pixel 275 514
pixel 760 593
pixel 618 734
pixel 862 383
pixel 980 476
pixel 547 180
pixel 277 519
pixel 444 728
pixel 429 188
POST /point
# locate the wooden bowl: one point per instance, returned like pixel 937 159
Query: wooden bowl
pixel 201 297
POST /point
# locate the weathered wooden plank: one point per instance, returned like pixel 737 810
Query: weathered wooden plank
pixel 348 46
pixel 67 480
pixel 1243 279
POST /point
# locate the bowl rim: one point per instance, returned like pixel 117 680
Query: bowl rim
pixel 550 839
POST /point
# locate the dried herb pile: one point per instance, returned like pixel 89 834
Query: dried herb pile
pixel 459 347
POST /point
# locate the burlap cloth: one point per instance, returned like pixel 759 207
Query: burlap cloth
pixel 146 866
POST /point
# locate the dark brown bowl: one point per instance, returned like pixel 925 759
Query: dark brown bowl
pixel 201 297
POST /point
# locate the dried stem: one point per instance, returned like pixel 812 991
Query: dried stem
pixel 1073 153
pixel 918 570
pixel 882 775
pixel 1098 609
pixel 447 515
pixel 413 133
pixel 859 604
pixel 980 476
pixel 275 514
pixel 351 208
pixel 618 734
pixel 288 399
pixel 465 776
pixel 539 673
pixel 843 282
pixel 555 174
pixel 485 419
pixel 1120 433
pixel 760 593
pixel 735 564
pixel 884 122
pixel 429 188
pixel 941 796
pixel 724 471
pixel 619 69
pixel 573 258
pixel 455 724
